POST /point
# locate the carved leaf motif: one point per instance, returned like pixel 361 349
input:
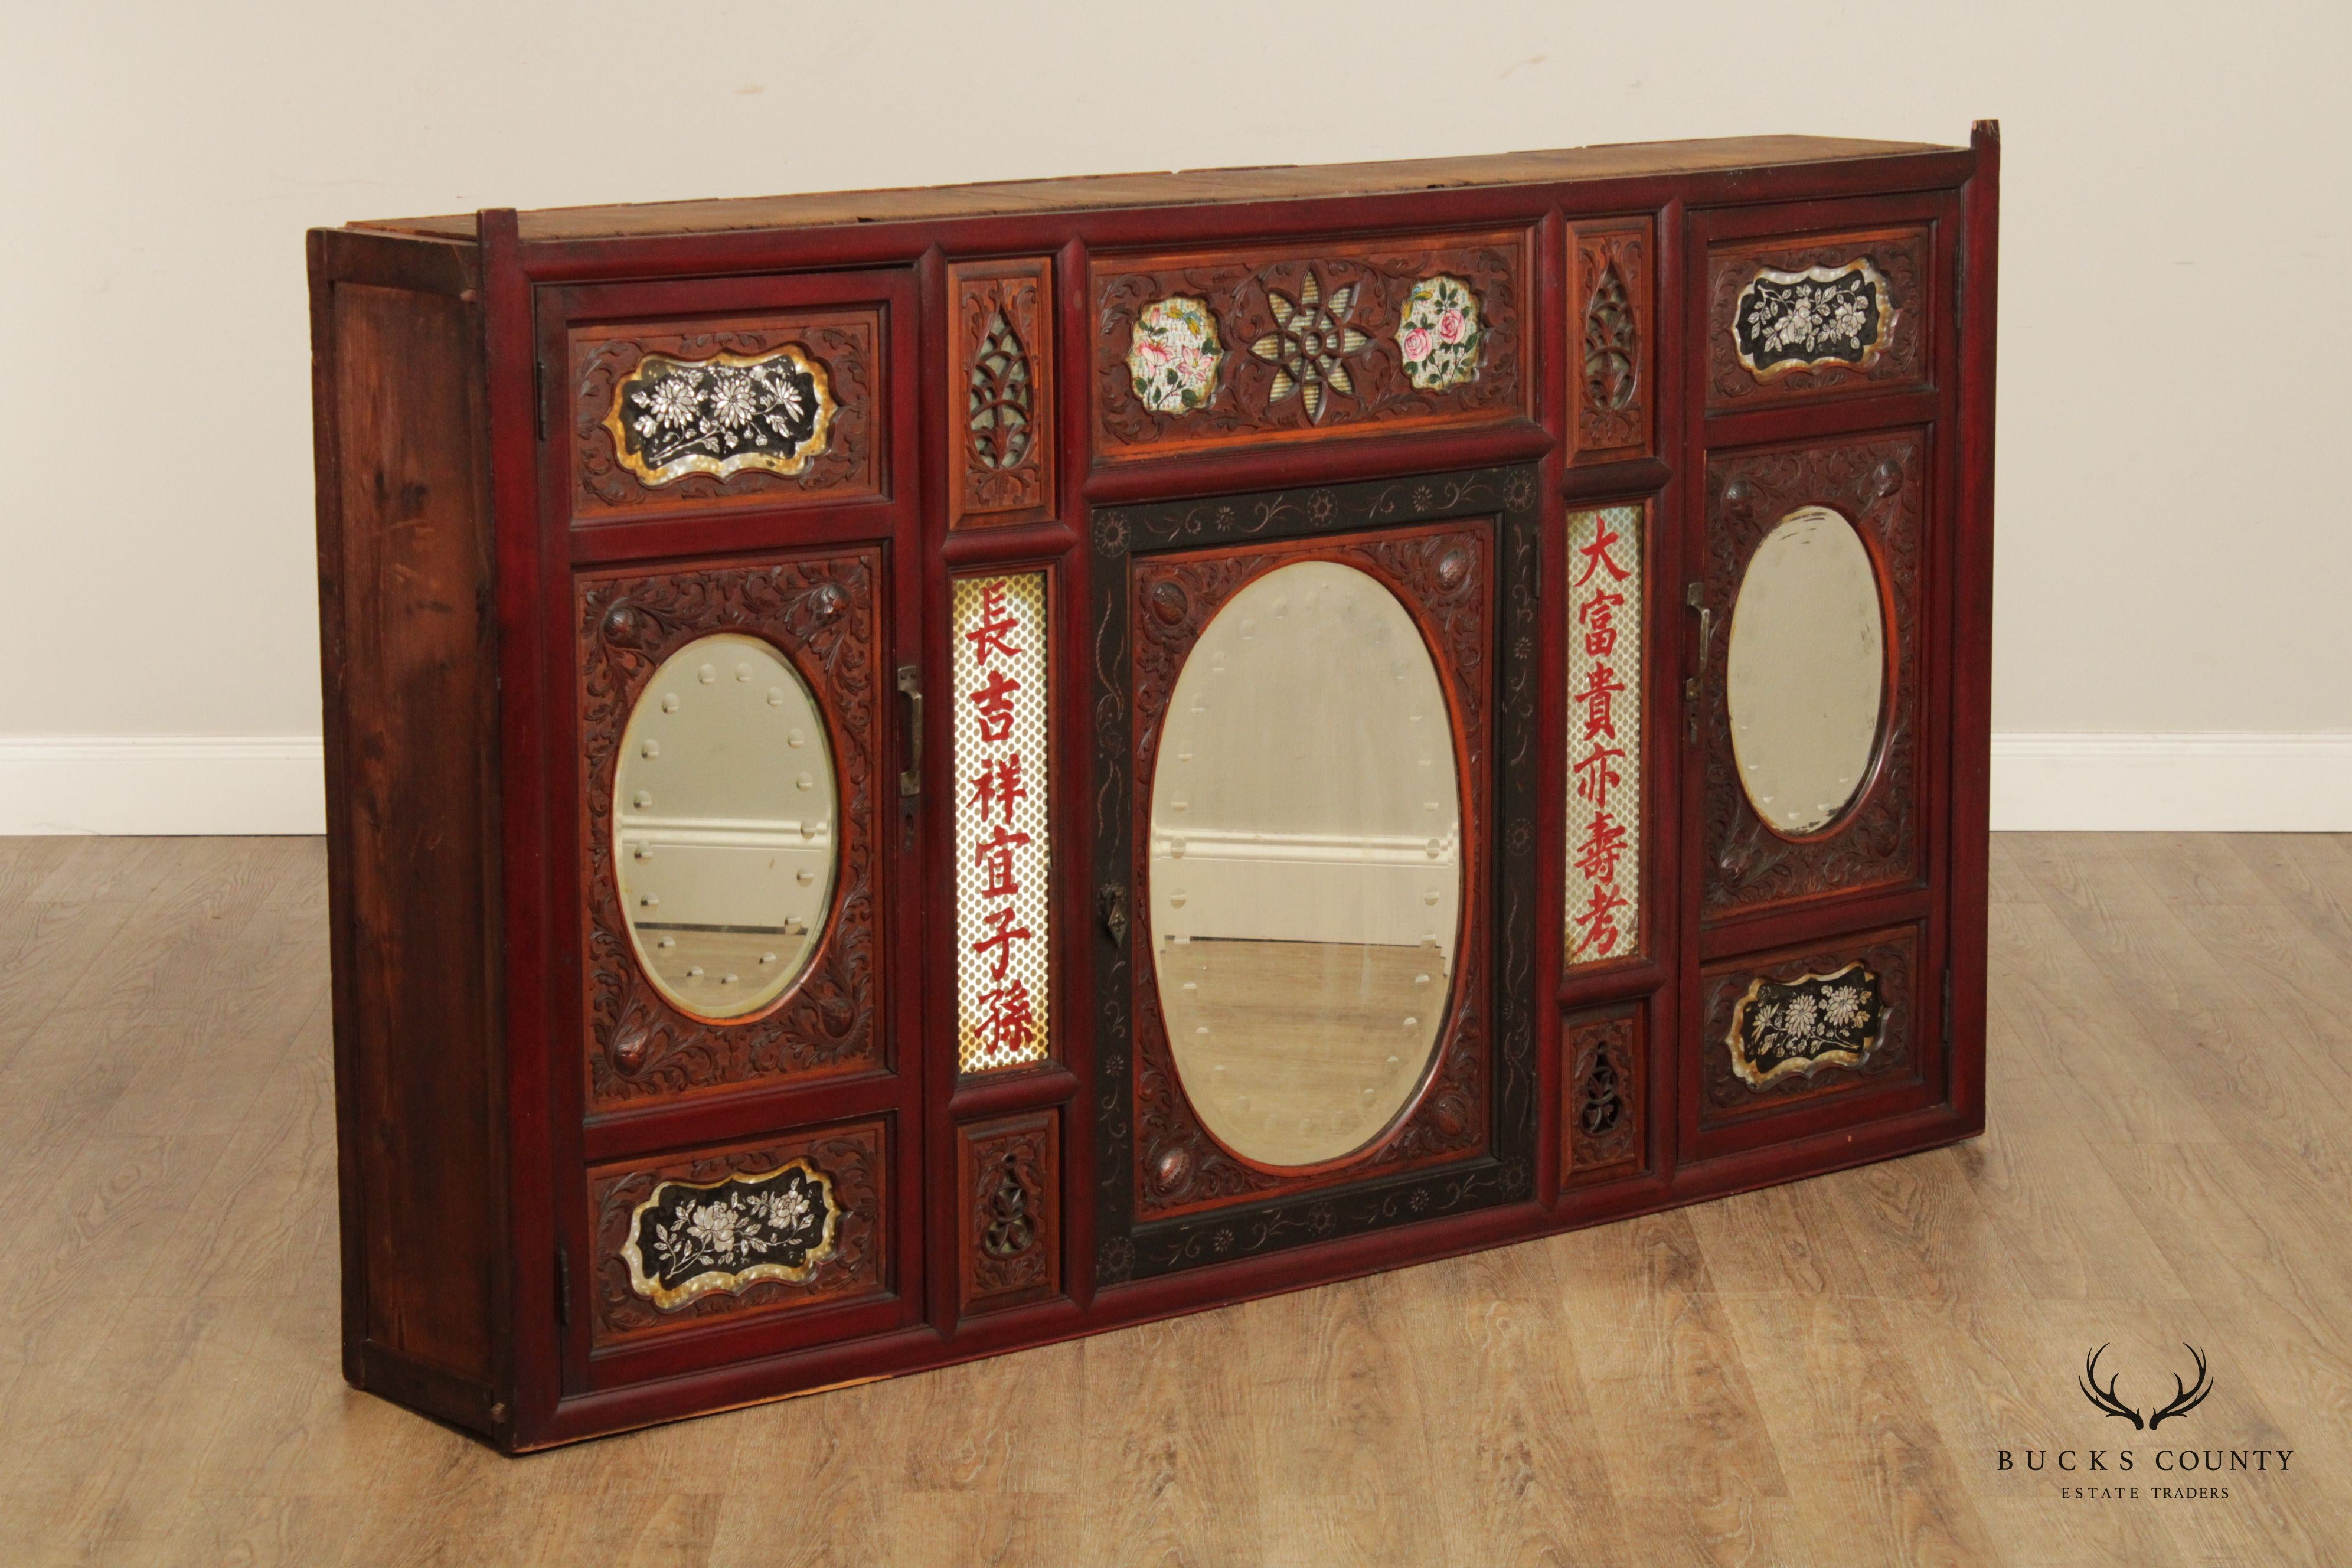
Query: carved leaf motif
pixel 1604 1114
pixel 1001 410
pixel 1612 345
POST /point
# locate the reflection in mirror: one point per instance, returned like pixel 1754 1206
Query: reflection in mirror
pixel 1305 873
pixel 1805 670
pixel 723 826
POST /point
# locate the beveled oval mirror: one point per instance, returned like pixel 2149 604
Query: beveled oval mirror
pixel 1306 864
pixel 1805 671
pixel 723 827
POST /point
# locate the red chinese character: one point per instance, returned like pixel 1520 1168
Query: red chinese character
pixel 996 626
pixel 1597 774
pixel 1011 1018
pixel 998 786
pixel 1001 934
pixel 1600 712
pixel 1601 932
pixel 1599 620
pixel 1603 847
pixel 995 853
pixel 1596 555
pixel 994 701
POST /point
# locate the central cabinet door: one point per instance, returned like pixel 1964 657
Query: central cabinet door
pixel 1315 712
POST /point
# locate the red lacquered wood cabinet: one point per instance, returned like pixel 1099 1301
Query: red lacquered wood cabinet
pixel 914 773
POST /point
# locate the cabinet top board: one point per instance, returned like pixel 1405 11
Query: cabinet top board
pixel 1289 182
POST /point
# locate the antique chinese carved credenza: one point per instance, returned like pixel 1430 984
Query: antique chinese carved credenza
pixel 918 772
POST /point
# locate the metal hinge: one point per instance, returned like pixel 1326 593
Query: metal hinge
pixel 1948 1011
pixel 563 1289
pixel 538 395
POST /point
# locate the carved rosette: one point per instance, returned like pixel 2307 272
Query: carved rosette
pixel 753 1229
pixel 1602 1096
pixel 1010 1186
pixel 819 612
pixel 1846 312
pixel 1002 392
pixel 772 410
pixel 1875 484
pixel 1798 1024
pixel 1609 269
pixel 1325 331
pixel 1444 578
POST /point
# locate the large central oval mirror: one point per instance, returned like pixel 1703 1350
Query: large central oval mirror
pixel 1805 671
pixel 1306 866
pixel 723 827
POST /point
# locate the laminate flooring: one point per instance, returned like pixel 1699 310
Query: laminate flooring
pixel 1824 1373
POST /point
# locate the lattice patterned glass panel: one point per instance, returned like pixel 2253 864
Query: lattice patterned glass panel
pixel 1003 880
pixel 1604 733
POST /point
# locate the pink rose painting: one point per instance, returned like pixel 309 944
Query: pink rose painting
pixel 1439 335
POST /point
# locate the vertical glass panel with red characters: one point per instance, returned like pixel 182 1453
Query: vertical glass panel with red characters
pixel 1605 588
pixel 1003 852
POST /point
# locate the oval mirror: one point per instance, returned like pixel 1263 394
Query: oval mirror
pixel 1805 671
pixel 1305 870
pixel 723 827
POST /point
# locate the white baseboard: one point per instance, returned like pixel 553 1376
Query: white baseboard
pixel 2051 783
pixel 162 784
pixel 2177 782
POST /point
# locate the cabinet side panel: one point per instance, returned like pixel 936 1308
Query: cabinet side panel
pixel 404 596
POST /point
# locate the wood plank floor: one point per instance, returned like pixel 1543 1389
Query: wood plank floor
pixel 1826 1373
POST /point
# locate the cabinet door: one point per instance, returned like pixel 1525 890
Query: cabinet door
pixel 1815 752
pixel 1315 972
pixel 741 1170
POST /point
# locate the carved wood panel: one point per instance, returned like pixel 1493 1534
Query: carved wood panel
pixel 1000 413
pixel 1445 579
pixel 651 1217
pixel 1227 348
pixel 1803 1023
pixel 1604 1105
pixel 820 613
pixel 713 404
pixel 1790 318
pixel 1008 1192
pixel 1877 484
pixel 1499 894
pixel 1613 349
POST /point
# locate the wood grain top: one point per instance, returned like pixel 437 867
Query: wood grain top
pixel 1628 160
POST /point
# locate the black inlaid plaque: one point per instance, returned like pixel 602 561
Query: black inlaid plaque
pixel 687 1240
pixel 1812 1022
pixel 1800 320
pixel 721 416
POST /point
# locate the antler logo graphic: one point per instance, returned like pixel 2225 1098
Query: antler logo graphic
pixel 2185 1397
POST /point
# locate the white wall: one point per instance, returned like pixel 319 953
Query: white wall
pixel 2173 539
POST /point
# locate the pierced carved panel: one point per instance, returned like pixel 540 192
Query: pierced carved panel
pixel 772 410
pixel 1001 394
pixel 1294 343
pixel 1878 486
pixel 1446 578
pixel 1790 318
pixel 820 613
pixel 1808 1022
pixel 1602 1105
pixel 1009 1172
pixel 1612 356
pixel 754 1228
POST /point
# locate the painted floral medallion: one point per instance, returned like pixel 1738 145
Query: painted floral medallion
pixel 1439 334
pixel 1174 356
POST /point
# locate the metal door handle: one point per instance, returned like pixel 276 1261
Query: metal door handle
pixel 910 687
pixel 1694 596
